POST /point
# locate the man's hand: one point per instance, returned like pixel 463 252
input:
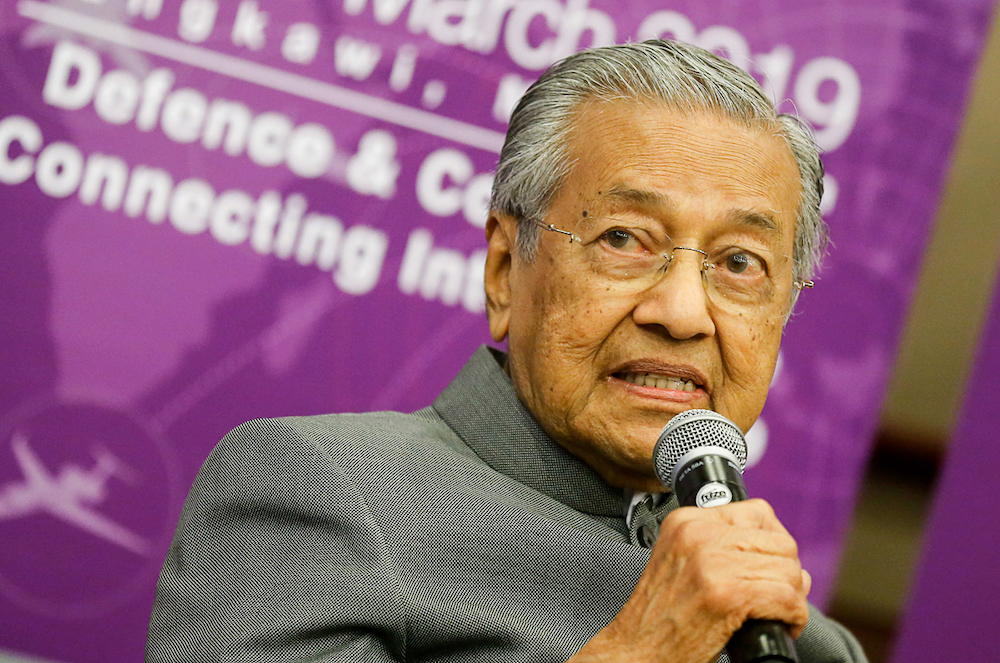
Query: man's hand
pixel 710 570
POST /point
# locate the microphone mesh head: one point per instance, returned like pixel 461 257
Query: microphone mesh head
pixel 692 429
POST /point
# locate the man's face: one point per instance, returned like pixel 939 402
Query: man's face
pixel 578 346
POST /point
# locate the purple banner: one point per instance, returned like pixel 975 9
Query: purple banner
pixel 953 605
pixel 213 212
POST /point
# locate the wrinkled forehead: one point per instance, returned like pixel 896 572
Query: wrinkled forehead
pixel 654 159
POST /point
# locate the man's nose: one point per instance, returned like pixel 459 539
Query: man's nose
pixel 678 302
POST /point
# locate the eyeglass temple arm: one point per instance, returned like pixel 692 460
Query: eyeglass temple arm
pixel 549 226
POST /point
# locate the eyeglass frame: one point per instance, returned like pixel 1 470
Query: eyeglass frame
pixel 797 284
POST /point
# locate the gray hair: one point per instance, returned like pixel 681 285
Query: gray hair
pixel 534 161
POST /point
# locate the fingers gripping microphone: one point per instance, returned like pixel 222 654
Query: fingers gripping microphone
pixel 701 455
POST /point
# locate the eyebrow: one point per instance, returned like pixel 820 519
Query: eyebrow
pixel 764 222
pixel 656 200
pixel 640 197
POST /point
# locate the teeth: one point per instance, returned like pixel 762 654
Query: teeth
pixel 660 381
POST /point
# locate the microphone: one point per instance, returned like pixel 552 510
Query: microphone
pixel 701 455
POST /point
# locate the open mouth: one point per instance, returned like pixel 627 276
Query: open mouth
pixel 658 381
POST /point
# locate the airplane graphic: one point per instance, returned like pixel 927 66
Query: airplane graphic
pixel 69 495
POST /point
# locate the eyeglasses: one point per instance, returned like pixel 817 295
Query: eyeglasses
pixel 634 259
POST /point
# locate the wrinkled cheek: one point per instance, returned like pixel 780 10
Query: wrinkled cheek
pixel 750 364
pixel 761 362
pixel 572 316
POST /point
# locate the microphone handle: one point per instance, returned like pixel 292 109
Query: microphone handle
pixel 713 480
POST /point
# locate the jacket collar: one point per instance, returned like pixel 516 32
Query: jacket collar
pixel 481 407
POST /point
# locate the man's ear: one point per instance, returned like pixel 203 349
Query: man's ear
pixel 501 238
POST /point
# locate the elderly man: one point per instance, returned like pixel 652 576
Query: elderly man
pixel 652 221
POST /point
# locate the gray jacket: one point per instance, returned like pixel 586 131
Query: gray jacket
pixel 457 533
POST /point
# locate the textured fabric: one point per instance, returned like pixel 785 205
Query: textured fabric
pixel 458 533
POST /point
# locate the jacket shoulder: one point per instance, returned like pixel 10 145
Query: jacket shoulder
pixel 356 444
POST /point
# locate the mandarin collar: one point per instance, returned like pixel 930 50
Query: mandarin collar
pixel 481 407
